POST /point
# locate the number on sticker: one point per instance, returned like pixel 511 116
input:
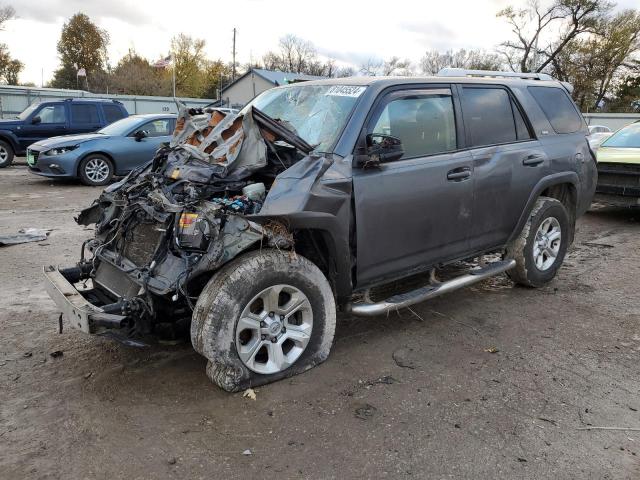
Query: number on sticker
pixel 345 91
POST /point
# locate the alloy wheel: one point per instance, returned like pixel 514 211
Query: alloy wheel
pixel 97 170
pixel 546 246
pixel 274 329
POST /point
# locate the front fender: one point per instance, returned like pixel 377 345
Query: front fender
pixel 315 194
pixel 11 137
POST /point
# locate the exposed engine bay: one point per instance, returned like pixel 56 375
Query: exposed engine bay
pixel 162 230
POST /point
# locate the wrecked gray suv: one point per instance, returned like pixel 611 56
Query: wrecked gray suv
pixel 248 231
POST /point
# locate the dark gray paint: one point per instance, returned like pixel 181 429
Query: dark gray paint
pixel 409 218
pixel 387 222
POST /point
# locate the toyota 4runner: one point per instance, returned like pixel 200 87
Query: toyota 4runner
pixel 247 232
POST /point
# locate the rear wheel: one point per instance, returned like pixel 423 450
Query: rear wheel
pixel 96 170
pixel 265 316
pixel 6 154
pixel 540 248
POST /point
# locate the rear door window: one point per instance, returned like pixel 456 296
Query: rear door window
pixel 84 113
pixel 424 122
pixel 489 116
pixel 558 108
pixel 522 131
pixel 112 113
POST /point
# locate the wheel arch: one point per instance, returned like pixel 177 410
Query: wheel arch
pixel 563 187
pixel 319 230
pixel 94 152
pixel 11 139
pixel 315 244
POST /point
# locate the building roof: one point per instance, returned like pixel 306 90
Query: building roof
pixel 275 77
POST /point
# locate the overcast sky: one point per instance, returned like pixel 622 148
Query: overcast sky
pixel 348 31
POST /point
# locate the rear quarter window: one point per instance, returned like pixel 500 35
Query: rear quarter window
pixel 112 113
pixel 558 108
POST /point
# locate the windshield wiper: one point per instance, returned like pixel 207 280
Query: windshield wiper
pixel 281 131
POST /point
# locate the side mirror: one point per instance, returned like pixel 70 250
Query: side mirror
pixel 140 134
pixel 381 148
pixel 36 120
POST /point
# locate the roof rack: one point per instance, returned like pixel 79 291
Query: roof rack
pixel 463 72
pixel 91 99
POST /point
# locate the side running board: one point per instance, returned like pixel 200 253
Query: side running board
pixel 427 292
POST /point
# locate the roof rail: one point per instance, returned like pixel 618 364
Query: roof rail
pixel 91 99
pixel 463 72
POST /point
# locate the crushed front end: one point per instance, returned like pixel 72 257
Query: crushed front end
pixel 162 230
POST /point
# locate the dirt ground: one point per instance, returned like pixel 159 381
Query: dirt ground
pixel 415 395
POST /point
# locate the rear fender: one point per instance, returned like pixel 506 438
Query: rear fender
pixel 541 186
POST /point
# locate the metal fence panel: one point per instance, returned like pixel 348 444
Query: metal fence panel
pixel 612 120
pixel 14 100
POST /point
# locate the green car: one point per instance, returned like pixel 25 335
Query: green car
pixel 619 168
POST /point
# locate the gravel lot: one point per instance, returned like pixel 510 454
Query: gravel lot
pixel 567 357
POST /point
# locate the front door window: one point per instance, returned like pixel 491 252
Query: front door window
pixel 52 114
pixel 424 123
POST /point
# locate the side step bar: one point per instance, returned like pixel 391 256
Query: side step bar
pixel 430 291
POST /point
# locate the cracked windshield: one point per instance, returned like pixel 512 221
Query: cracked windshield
pixel 316 113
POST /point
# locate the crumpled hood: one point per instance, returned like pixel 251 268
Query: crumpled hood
pixel 66 140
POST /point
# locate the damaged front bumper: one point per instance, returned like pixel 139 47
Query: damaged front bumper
pixel 76 309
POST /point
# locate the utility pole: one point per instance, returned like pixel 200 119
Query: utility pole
pixel 233 67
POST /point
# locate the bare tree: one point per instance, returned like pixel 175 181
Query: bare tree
pixel 393 66
pixel 396 66
pixel 6 13
pixel 295 55
pixel 298 56
pixel 531 24
pixel 433 61
pixel 371 67
pixel 594 64
pixel 10 67
pixel 342 72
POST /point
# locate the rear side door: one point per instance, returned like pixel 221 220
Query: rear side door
pixel 507 161
pixel 50 120
pixel 129 152
pixel 84 117
pixel 416 211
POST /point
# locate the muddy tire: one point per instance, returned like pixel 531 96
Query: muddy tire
pixel 95 170
pixel 6 154
pixel 265 316
pixel 540 248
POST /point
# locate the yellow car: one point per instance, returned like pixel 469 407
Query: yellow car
pixel 619 168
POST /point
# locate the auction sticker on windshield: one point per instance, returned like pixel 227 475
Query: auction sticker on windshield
pixel 345 91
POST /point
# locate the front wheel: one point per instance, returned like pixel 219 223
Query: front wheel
pixel 265 316
pixel 6 154
pixel 540 248
pixel 95 170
